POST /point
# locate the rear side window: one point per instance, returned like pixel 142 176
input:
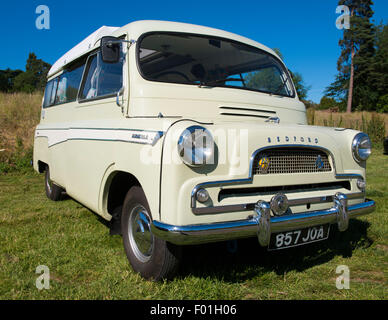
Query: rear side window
pixel 101 79
pixel 68 84
pixel 64 88
pixel 50 92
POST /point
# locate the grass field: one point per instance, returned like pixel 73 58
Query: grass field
pixel 85 262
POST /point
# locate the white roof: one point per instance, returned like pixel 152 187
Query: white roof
pixel 140 27
pixel 80 49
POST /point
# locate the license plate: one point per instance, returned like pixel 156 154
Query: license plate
pixel 283 240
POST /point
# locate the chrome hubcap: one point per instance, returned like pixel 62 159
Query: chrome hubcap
pixel 139 231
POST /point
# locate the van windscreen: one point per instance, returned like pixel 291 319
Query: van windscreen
pixel 208 61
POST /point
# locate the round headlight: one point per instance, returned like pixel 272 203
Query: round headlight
pixel 196 146
pixel 362 147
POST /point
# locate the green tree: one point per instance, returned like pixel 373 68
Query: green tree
pixel 357 51
pixel 379 74
pixel 25 82
pixel 34 78
pixel 301 88
pixel 4 85
pixel 327 103
pixel 7 78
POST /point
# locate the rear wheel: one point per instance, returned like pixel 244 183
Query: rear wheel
pixel 152 257
pixel 53 192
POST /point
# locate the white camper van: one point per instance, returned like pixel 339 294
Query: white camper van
pixel 181 134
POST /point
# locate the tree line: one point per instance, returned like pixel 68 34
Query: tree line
pixel 361 83
pixel 33 79
pixel 362 79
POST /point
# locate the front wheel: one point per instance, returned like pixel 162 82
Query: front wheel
pixel 152 257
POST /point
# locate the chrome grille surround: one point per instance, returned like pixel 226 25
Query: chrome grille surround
pixel 292 160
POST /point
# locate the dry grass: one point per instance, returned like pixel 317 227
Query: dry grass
pixel 19 114
pixel 342 119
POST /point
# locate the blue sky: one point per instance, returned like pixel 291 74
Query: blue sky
pixel 303 30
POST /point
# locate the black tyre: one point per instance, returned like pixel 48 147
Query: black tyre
pixel 53 192
pixel 115 222
pixel 152 257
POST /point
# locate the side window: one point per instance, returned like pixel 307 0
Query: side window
pixel 61 91
pixel 68 84
pixel 64 88
pixel 54 91
pixel 101 79
pixel 89 87
pixel 49 93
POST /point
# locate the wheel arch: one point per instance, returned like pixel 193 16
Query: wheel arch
pixel 115 189
pixel 42 166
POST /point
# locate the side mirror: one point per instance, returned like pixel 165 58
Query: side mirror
pixel 110 49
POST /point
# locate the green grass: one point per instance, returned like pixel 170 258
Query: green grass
pixel 86 263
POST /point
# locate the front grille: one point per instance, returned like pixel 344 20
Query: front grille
pixel 291 160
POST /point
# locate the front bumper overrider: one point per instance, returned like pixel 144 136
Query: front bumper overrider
pixel 262 224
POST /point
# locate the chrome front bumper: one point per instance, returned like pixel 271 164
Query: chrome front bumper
pixel 262 224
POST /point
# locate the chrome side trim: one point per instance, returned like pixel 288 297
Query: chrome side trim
pixel 344 176
pixel 204 233
pixel 60 135
pixel 248 180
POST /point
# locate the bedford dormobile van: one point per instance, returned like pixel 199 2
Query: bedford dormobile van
pixel 180 134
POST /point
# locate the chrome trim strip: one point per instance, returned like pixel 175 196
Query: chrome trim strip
pixel 223 209
pixel 204 233
pixel 60 135
pixel 248 180
pixel 293 202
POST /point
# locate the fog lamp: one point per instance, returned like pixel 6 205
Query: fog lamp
pixel 202 195
pixel 361 184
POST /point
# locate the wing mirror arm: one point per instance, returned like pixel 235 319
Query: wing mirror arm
pixel 111 47
pixel 120 104
pixel 110 43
